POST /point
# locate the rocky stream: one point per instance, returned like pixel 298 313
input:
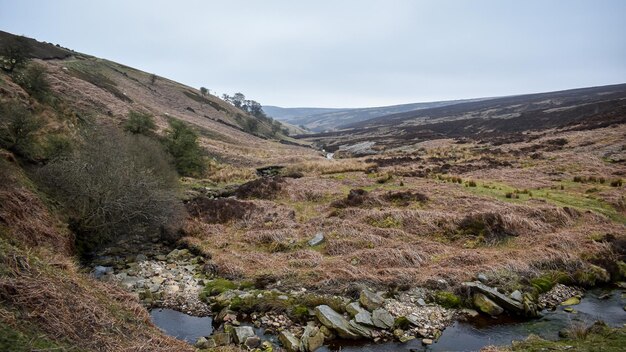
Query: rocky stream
pixel 189 303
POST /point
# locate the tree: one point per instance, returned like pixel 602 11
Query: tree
pixel 114 185
pixel 139 123
pixel 252 125
pixel 15 54
pixel 238 100
pixel 153 79
pixel 182 143
pixel 203 91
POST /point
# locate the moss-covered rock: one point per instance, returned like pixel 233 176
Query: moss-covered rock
pixel 447 299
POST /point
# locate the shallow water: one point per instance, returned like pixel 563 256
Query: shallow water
pixel 465 336
pixel 180 325
pixel 462 336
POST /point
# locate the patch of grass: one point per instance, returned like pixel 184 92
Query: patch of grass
pixel 605 339
pixel 546 282
pixel 19 341
pixel 217 286
pixel 386 222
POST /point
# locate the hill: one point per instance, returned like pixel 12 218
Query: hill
pixel 500 118
pixel 323 119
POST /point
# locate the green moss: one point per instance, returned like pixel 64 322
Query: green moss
pixel 26 341
pixel 591 275
pixel 217 286
pixel 606 339
pixel 301 312
pixel 447 299
pixel 386 222
pixel 402 323
pixel 545 282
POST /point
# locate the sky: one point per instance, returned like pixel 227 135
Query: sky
pixel 344 53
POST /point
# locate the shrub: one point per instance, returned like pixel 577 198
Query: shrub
pixel 18 128
pixel 182 143
pixel 139 123
pixel 616 183
pixel 471 183
pixel 57 146
pixel 34 80
pixel 114 185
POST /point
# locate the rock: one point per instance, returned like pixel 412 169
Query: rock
pixel 516 295
pixel 157 280
pixel 334 321
pixel 364 317
pixel 370 300
pixel 161 257
pixel 482 278
pixel 427 341
pixel 328 334
pixel 204 343
pixel 221 339
pixel 283 297
pixel 253 342
pixel 382 319
pixel 420 302
pixel 141 258
pixel 354 308
pixel 362 330
pixel 289 341
pixel 470 313
pixel 129 282
pixel 486 305
pixel 241 334
pixel 312 339
pixel 605 296
pixel 502 300
pixel 317 239
pixel 172 289
pixel 571 301
pixel 100 271
pixel 570 310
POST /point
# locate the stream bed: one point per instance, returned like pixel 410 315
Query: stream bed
pixel 461 336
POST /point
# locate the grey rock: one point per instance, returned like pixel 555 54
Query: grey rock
pixel 516 295
pixel 500 299
pixel 364 317
pixel 421 302
pixel 362 330
pixel 482 278
pixel 253 342
pixel 317 239
pixel 370 300
pixel 100 271
pixel 312 339
pixel 141 257
pixel 486 305
pixel 289 341
pixel 382 319
pixel 354 308
pixel 334 321
pixel 241 334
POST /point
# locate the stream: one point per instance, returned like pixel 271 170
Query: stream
pixel 461 336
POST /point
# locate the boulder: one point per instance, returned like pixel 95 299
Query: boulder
pixel 317 239
pixel 289 341
pixel 334 321
pixel 241 334
pixel 382 319
pixel 486 305
pixel 354 308
pixel 253 342
pixel 370 300
pixel 502 300
pixel 362 330
pixel 364 317
pixel 312 339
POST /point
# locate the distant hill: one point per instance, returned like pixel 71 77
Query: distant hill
pixel 504 119
pixel 326 119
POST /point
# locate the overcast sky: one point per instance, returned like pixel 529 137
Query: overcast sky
pixel 333 53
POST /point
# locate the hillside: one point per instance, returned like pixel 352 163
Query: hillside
pixel 321 119
pixel 502 118
pixel 126 196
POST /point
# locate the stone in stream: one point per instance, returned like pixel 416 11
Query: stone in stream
pixel 334 321
pixel 571 301
pixel 317 239
pixel 526 308
pixel 253 342
pixel 382 319
pixel 370 300
pixel 289 341
pixel 241 333
pixel 312 339
pixel 486 305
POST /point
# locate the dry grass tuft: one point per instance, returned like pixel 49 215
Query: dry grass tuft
pixel 326 167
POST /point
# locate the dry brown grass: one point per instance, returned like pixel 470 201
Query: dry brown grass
pixel 326 167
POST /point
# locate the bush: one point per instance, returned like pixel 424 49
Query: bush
pixel 34 80
pixel 114 185
pixel 182 143
pixel 617 183
pixel 139 123
pixel 18 128
pixel 57 146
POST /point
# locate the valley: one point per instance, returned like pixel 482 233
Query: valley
pixel 130 201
